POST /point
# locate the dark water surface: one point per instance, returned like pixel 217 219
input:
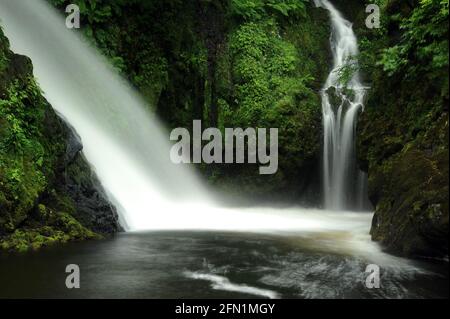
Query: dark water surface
pixel 210 265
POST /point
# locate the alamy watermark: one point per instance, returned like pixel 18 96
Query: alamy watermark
pixel 73 19
pixel 73 279
pixel 373 279
pixel 259 150
pixel 373 19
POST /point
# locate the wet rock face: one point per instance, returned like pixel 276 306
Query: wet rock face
pixel 407 164
pixel 92 208
pixel 411 192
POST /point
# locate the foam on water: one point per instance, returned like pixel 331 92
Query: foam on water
pixel 223 283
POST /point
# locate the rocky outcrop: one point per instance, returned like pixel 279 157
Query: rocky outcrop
pixel 408 185
pixel 403 133
pixel 48 192
pixel 80 183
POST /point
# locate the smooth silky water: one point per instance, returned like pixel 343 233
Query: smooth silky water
pixel 344 184
pixel 180 243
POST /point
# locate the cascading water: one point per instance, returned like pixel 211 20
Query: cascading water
pixel 125 144
pixel 342 100
pixel 129 149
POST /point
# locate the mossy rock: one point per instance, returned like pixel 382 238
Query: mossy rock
pixel 412 212
pixel 60 227
pixel 37 207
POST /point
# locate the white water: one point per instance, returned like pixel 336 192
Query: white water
pixel 344 183
pixel 125 144
pixel 223 283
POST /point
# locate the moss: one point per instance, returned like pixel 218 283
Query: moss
pixel 27 158
pixel 59 228
pixel 403 133
pixel 408 182
pixel 4 46
pixel 34 210
pixel 23 240
pixel 22 108
pixel 270 72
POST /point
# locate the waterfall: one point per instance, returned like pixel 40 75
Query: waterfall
pixel 125 144
pixel 129 149
pixel 342 99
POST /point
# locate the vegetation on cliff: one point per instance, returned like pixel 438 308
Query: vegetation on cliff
pixel 35 209
pixel 403 134
pixel 239 63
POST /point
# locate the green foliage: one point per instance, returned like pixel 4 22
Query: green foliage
pixel 3 61
pixel 347 71
pixel 95 11
pixel 393 59
pixel 59 228
pixel 4 45
pixel 143 48
pixel 263 71
pixel 257 9
pixel 264 82
pixel 22 124
pixel 423 47
pixel 251 9
pixel 22 176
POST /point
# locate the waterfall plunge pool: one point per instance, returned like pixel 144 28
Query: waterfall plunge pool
pixel 321 261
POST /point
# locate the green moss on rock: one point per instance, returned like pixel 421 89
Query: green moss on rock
pixel 37 208
pixel 271 70
pixel 403 133
pixel 60 228
pixel 27 157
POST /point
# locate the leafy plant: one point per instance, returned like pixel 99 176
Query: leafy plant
pixel 424 43
pixel 347 71
pixel 256 9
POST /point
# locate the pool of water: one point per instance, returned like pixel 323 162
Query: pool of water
pixel 201 264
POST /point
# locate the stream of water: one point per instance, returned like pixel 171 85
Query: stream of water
pixel 342 100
